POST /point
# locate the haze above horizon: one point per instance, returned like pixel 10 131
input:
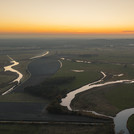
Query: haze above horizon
pixel 67 17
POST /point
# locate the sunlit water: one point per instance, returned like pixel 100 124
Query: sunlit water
pixel 41 55
pixel 60 63
pixel 121 118
pixel 10 68
pixel 78 71
pixel 14 63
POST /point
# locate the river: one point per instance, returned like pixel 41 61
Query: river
pixel 15 63
pixel 40 55
pixel 9 68
pixel 121 118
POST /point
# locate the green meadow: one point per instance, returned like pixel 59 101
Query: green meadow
pixel 55 129
pixel 130 124
pixel 113 57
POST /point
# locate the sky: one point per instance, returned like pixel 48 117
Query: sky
pixel 67 16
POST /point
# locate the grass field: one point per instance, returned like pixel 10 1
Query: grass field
pixel 55 129
pixel 110 56
pixel 112 61
pixel 21 97
pixel 92 72
pixel 19 55
pixel 108 100
pixel 130 124
pixel 80 78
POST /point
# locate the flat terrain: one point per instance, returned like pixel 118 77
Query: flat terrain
pixel 113 57
pixel 39 70
pixel 108 100
pixel 130 124
pixel 55 129
pixel 22 111
pixel 20 55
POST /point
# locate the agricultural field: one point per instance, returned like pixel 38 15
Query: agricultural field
pixel 70 65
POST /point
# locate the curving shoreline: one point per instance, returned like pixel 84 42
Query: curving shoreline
pixel 60 63
pixel 121 120
pixel 18 79
pixel 120 117
pixel 118 127
pixel 71 95
pixel 9 68
pixel 39 56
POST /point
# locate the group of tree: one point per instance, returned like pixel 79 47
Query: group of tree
pixel 50 88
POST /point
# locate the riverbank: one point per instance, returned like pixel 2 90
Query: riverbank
pixel 108 81
pixel 55 128
pixel 113 61
pixel 31 111
pixel 40 69
pixel 122 116
pixel 130 124
pixel 111 97
pixel 21 55
pixel 16 81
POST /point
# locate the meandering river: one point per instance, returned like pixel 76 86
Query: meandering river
pixel 40 55
pixel 20 75
pixel 9 68
pixel 121 118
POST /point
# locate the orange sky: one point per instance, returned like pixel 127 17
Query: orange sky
pixel 67 16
